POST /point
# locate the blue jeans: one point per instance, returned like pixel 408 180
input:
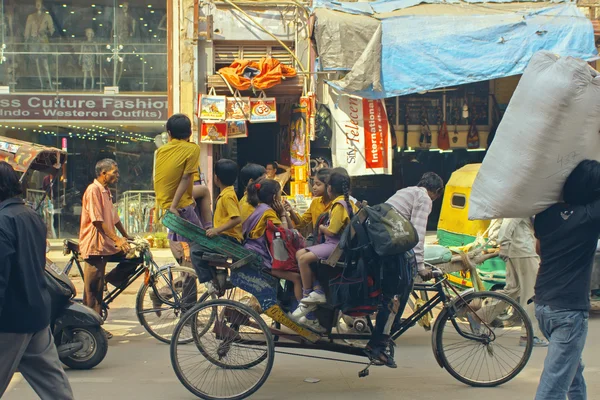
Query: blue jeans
pixel 566 330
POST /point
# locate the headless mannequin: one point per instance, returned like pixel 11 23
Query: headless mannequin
pixel 123 30
pixel 88 59
pixel 38 28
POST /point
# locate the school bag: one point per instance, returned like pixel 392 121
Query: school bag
pixel 357 290
pixel 388 231
pixel 283 245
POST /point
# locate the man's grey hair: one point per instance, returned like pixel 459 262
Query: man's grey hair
pixel 104 166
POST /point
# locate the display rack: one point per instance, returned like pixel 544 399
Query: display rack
pixel 137 210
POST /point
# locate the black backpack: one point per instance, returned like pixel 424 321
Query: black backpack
pixel 357 290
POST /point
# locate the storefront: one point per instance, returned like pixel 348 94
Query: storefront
pixel 89 77
pixel 258 32
pixel 444 71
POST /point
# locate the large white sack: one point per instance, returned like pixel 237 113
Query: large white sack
pixel 551 124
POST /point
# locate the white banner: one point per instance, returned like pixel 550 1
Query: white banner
pixel 361 135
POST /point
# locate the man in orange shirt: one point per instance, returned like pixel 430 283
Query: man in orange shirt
pixel 98 240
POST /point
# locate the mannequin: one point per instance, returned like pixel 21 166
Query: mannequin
pixel 89 58
pixel 38 28
pixel 123 30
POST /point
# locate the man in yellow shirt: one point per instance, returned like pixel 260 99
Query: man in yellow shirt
pixel 176 165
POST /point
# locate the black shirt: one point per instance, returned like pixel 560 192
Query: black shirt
pixel 568 238
pixel 24 298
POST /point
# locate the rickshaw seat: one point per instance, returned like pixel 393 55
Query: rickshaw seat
pixel 72 245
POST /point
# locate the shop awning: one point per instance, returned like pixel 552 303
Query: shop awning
pixel 407 47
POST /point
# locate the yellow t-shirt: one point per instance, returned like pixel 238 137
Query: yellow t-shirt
pixel 261 225
pixel 246 209
pixel 339 217
pixel 310 216
pixel 174 159
pixel 227 208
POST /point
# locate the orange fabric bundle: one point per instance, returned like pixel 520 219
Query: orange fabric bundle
pixel 271 73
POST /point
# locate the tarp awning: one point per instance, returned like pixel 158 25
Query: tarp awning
pixel 429 46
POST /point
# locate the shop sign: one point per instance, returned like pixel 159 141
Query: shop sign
pixel 213 132
pixel 263 109
pixel 361 136
pixel 73 108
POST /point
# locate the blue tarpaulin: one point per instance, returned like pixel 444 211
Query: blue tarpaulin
pixel 421 52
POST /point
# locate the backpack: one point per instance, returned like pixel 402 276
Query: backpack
pixel 389 232
pixel 283 245
pixel 357 290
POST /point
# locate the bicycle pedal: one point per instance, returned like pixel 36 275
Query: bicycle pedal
pixel 365 372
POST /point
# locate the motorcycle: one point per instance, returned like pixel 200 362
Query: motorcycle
pixel 77 329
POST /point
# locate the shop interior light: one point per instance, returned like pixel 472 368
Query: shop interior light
pixel 64 5
pixel 472 150
pixel 93 19
pixel 93 6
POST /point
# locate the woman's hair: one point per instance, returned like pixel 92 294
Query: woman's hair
pixel 339 181
pixel 9 182
pixel 583 184
pixel 263 191
pixel 250 172
pixel 323 174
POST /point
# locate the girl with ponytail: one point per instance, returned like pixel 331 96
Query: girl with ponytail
pixel 342 210
pixel 265 196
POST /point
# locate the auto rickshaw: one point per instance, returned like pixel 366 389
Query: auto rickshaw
pixel 456 230
pixel 29 159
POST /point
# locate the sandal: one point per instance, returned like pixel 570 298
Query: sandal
pixel 108 334
pixel 378 355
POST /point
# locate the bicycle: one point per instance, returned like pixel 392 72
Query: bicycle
pixel 163 297
pixel 233 350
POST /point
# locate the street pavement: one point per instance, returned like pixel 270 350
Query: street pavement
pixel 138 367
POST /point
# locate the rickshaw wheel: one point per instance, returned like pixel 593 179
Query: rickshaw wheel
pixel 232 354
pixel 500 351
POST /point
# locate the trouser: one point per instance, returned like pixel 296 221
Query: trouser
pixel 93 277
pixel 566 330
pixel 392 284
pixel 35 356
pixel 521 274
pixel 190 290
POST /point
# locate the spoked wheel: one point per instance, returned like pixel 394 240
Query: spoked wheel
pixel 163 299
pixel 232 353
pixel 477 345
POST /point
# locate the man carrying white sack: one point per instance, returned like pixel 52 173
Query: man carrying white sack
pixel 568 234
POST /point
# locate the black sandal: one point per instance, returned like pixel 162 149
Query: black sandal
pixel 377 355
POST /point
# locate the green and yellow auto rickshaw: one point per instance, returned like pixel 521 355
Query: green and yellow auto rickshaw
pixel 456 231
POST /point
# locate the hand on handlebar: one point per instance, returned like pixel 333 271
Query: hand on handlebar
pixel 122 244
pixel 428 274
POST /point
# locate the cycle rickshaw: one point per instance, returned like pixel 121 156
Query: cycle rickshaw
pixel 233 347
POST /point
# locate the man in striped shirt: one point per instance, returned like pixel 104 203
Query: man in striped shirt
pixel 414 203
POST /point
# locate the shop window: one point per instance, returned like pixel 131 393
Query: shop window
pixel 226 52
pixel 459 200
pixel 51 45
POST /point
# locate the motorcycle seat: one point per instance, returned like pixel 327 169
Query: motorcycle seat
pixel 72 245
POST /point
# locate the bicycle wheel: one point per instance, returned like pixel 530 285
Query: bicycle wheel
pixel 234 356
pixel 479 349
pixel 163 299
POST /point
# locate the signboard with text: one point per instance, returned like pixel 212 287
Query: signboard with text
pixel 361 136
pixel 74 108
